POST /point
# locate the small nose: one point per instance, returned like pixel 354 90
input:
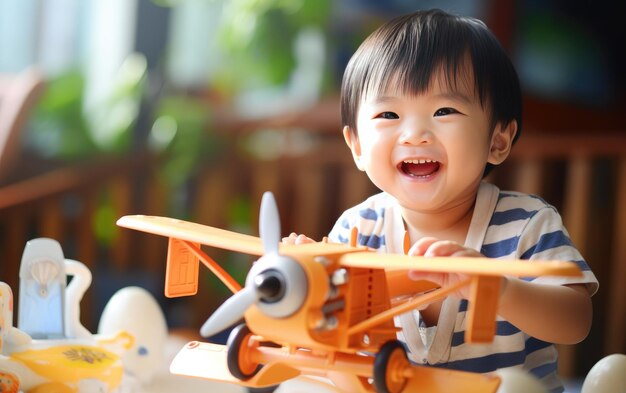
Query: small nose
pixel 415 135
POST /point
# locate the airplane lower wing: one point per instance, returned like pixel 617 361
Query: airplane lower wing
pixel 430 379
pixel 203 360
pixel 208 361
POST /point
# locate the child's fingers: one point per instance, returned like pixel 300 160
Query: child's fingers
pixel 301 239
pixel 291 239
pixel 420 246
pixel 294 238
pixel 466 252
pixel 417 275
pixel 443 248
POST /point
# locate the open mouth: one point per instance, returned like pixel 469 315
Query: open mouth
pixel 419 168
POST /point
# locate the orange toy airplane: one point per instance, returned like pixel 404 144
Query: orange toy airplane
pixel 324 309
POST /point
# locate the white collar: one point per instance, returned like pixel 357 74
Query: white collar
pixel 486 200
pixel 439 350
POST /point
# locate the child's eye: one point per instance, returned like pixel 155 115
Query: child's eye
pixel 445 111
pixel 387 115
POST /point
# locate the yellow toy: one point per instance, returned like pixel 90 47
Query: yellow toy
pixel 324 309
pixel 61 365
pixel 51 352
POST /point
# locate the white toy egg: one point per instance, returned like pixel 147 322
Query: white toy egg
pixel 515 380
pixel 607 376
pixel 135 310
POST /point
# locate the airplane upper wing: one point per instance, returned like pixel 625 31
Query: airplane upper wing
pixel 221 238
pixel 465 265
pixel 197 233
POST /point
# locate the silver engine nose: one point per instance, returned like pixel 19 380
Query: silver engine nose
pixel 281 283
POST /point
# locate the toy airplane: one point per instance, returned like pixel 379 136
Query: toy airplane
pixel 323 309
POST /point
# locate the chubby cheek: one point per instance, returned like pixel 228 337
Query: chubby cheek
pixel 472 147
pixel 376 155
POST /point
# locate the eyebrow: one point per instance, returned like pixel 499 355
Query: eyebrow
pixel 449 95
pixel 454 96
pixel 383 99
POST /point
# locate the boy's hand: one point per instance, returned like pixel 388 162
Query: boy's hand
pixel 294 238
pixel 432 247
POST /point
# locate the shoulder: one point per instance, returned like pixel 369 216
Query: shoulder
pixel 520 209
pixel 528 212
pixel 511 200
pixel 518 222
pixel 525 226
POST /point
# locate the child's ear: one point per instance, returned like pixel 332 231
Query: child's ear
pixel 352 141
pixel 501 142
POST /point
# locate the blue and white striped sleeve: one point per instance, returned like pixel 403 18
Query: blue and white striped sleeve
pixel 545 238
pixel 368 217
pixel 341 230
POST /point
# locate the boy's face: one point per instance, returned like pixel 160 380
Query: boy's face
pixel 429 151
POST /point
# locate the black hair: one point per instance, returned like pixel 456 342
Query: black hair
pixel 408 50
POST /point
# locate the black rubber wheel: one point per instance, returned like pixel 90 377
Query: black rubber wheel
pixel 238 337
pixel 267 389
pixel 392 352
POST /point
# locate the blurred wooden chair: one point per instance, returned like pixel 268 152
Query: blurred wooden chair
pixel 18 94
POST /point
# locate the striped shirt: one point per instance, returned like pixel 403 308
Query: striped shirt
pixel 504 225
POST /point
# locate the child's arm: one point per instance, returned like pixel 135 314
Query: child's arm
pixel 552 313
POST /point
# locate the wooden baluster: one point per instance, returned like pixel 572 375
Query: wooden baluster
pixel 266 176
pixel 121 195
pixel 152 249
pixel 616 320
pixel 86 252
pixel 528 175
pixel 50 220
pixel 576 199
pixel 15 240
pixel 85 235
pixel 354 187
pixel 309 200
pixel 215 189
pixel 575 217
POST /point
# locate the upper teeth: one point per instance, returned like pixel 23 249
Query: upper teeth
pixel 422 161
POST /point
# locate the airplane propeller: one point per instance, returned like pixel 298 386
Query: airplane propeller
pixel 269 224
pixel 277 284
pixel 229 312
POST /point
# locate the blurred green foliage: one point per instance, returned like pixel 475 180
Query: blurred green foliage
pixel 63 127
pixel 179 133
pixel 58 127
pixel 257 37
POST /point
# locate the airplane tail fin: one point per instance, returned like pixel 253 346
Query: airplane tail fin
pixel 181 275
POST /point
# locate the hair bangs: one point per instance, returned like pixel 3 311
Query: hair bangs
pixel 407 54
pixel 405 57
